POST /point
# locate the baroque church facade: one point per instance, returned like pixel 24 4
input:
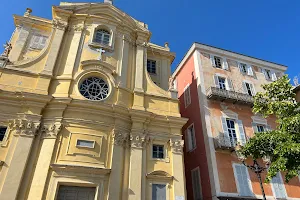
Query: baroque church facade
pixel 88 110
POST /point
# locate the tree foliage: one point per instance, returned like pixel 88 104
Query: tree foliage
pixel 281 146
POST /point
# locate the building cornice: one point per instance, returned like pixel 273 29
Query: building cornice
pixel 230 55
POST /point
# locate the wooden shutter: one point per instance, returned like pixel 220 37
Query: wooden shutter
pixel 278 186
pixel 254 126
pixel 189 135
pixel 242 180
pixel 216 80
pixel 242 138
pixel 229 85
pixel 212 60
pixel 273 75
pixel 265 73
pixel 186 142
pixel 193 137
pixel 224 63
pixel 196 182
pixel 244 88
pixel 249 70
pixel 159 192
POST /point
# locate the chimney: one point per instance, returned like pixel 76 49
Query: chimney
pixel 109 1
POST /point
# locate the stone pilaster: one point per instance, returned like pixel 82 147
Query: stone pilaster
pixel 17 49
pixel 24 131
pixel 178 170
pixel 120 139
pixel 136 166
pixel 49 133
pixel 59 27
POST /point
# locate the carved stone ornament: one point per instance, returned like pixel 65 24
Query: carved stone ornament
pixel 78 28
pixel 177 146
pixel 59 24
pixel 24 127
pixel 137 141
pixel 120 138
pixel 51 130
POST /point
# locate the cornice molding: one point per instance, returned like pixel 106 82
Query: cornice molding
pixel 24 127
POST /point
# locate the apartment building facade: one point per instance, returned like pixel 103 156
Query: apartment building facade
pixel 216 89
pixel 80 115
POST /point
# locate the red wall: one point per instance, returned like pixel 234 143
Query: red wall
pixel 196 158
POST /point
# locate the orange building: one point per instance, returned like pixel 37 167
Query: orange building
pixel 216 89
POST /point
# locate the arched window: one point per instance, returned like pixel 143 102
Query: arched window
pixel 102 37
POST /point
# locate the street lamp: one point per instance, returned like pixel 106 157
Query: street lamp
pixel 255 167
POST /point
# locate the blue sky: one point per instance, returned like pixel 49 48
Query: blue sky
pixel 266 29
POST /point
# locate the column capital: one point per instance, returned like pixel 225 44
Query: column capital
pixel 59 24
pixel 176 146
pixel 120 138
pixel 24 127
pixel 51 130
pixel 138 140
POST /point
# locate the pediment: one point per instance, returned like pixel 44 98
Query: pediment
pixel 159 174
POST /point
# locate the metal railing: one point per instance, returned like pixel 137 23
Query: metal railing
pixel 229 95
pixel 227 142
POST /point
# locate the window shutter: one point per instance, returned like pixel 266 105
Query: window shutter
pixel 249 70
pixel 42 43
pixel 224 125
pixel 254 126
pixel 278 187
pixel 216 80
pixel 212 60
pixel 239 66
pixel 187 143
pixel 242 179
pixel 193 138
pixel 252 89
pixel 265 73
pixel 241 132
pixel 268 127
pixel 224 63
pixel 245 88
pixel 273 75
pixel 196 184
pixel 229 85
pixel 190 143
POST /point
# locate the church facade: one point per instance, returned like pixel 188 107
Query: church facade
pixel 88 110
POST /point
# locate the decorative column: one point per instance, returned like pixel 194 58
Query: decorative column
pixel 24 131
pixel 49 134
pixel 120 139
pixel 178 170
pixel 136 166
pixel 60 27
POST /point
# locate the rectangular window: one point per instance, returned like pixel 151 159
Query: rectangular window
pixel 85 143
pixel 278 187
pixel 158 151
pixel 242 180
pixel 151 66
pixel 260 128
pixel 243 68
pixel 196 183
pixel 159 192
pixel 76 193
pixel 231 132
pixel 187 96
pixel 191 138
pixel 218 62
pixel 222 83
pixel 2 132
pixel 38 42
pixel 249 88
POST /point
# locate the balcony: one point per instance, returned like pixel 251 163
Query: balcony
pixel 229 96
pixel 226 142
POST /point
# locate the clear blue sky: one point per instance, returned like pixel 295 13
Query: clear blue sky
pixel 266 29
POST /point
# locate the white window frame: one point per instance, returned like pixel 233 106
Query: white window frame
pixel 270 75
pixel 197 170
pixel 92 141
pixel 281 180
pixel 163 151
pixel 191 143
pixel 110 29
pixel 104 32
pixel 228 82
pixel 252 89
pixel 224 87
pixel 187 95
pixel 236 179
pixel 248 69
pixel 159 183
pixel 162 143
pixel 223 60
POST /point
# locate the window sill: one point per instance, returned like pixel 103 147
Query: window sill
pixel 161 159
pixel 98 45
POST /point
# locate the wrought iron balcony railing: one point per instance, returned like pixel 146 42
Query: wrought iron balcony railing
pixel 226 142
pixel 228 95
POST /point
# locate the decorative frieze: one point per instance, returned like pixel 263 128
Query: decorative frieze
pixel 24 127
pixel 176 146
pixel 50 130
pixel 137 141
pixel 59 24
pixel 78 28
